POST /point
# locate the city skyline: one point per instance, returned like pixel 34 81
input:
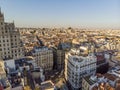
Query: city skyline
pixel 58 58
pixel 69 13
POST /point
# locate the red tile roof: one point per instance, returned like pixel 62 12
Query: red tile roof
pixel 110 76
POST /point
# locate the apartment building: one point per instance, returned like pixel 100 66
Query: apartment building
pixel 107 81
pixel 43 57
pixel 77 65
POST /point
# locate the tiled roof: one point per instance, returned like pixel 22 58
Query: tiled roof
pixel 110 76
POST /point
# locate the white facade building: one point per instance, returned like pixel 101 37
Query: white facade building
pixel 43 57
pixel 77 66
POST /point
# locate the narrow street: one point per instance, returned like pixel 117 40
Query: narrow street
pixel 30 80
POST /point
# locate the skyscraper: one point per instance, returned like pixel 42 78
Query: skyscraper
pixel 10 43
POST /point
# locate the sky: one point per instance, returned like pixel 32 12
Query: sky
pixel 62 13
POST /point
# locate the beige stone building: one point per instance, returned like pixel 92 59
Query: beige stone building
pixel 2 71
pixel 10 43
pixel 43 57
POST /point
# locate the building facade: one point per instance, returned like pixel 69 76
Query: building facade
pixel 107 81
pixel 10 43
pixel 43 57
pixel 77 66
pixel 2 71
pixel 59 59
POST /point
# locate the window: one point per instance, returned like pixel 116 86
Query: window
pixel 1 23
pixel 5 57
pixel 3 33
pixel 2 28
pixel 9 56
pixel 77 67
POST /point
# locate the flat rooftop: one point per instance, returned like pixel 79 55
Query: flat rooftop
pixel 47 85
pixel 90 81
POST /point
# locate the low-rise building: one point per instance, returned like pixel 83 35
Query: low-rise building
pixel 107 81
pixel 2 71
pixel 47 85
pixel 37 74
pixel 4 84
pixel 25 62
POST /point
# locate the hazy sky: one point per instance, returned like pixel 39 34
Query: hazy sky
pixel 62 13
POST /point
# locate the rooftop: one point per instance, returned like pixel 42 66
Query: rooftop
pixel 47 85
pixel 100 57
pixel 93 79
pixel 100 81
pixel 81 51
pixel 110 76
pixel 39 49
pixel 80 58
pixel 103 86
pixel 90 81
